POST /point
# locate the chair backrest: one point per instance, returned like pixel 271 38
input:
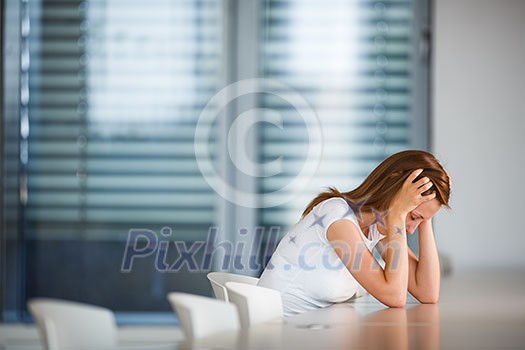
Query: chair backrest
pixel 201 316
pixel 218 282
pixel 70 325
pixel 255 304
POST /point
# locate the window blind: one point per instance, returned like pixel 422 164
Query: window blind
pixel 351 60
pixel 116 88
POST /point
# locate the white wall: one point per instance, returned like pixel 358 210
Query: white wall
pixel 479 129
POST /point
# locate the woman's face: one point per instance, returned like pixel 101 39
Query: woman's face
pixel 424 211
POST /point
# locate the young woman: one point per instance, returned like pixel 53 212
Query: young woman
pixel 327 257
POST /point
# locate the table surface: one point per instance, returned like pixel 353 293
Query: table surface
pixel 482 310
pixel 477 310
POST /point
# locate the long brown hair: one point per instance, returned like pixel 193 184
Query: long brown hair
pixel 380 187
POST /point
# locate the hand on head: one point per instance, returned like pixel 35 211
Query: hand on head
pixel 411 194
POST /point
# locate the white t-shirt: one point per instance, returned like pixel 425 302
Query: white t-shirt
pixel 306 269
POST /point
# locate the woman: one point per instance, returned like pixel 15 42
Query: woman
pixel 327 257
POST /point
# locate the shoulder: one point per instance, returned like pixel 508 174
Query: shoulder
pixel 334 203
pixel 345 231
pixel 337 208
pixel 344 225
pixel 332 211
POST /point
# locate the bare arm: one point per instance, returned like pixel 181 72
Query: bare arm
pixel 424 273
pixel 389 285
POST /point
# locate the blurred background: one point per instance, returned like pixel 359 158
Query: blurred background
pixel 105 130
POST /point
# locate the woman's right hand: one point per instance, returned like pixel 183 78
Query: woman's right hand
pixel 411 194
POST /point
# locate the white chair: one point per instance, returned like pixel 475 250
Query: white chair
pixel 66 325
pixel 255 304
pixel 218 282
pixel 201 316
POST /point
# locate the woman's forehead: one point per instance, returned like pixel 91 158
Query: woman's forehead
pixel 428 209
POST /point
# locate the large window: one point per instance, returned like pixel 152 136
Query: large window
pixel 105 131
pixel 356 63
pixel 111 92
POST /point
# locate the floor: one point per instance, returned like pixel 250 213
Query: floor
pixel 477 310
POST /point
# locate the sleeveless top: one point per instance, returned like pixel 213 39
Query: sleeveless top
pixel 305 268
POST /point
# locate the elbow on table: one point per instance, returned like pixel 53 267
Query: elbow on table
pixel 398 304
pixel 429 299
pixel 396 300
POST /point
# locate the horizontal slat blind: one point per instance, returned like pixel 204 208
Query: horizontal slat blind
pixel 351 61
pixel 116 88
